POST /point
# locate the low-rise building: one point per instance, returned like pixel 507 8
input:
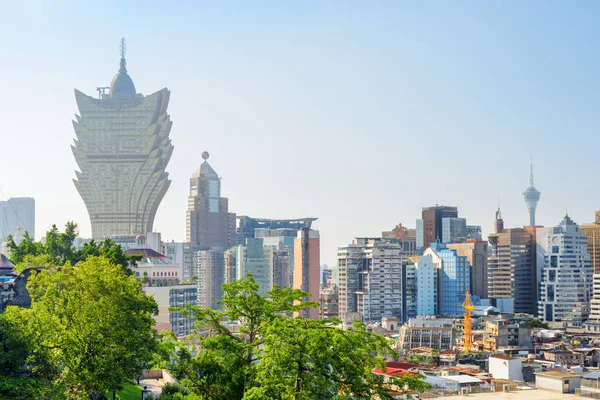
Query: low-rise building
pixel 504 333
pixel 557 381
pixel 504 366
pixel 432 332
pixel 564 357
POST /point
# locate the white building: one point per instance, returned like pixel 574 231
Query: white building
pixel 566 277
pixel 210 270
pixel 180 253
pixel 432 332
pixel 17 216
pixel 370 279
pixel 427 285
pixel 503 366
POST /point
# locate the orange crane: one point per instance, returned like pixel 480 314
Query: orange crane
pixel 468 337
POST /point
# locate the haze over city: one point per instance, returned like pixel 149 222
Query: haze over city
pixel 356 114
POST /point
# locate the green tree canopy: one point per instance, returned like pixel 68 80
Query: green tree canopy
pixel 253 348
pixel 58 249
pixel 89 328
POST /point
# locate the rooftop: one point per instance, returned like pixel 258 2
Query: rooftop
pixel 559 374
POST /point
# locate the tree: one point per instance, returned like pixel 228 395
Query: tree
pixel 91 322
pixel 536 323
pixel 273 355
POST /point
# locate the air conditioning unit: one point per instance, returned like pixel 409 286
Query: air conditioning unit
pixel 464 391
pixel 506 388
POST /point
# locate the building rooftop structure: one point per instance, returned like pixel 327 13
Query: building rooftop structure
pixel 247 225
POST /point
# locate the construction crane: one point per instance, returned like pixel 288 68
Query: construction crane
pixel 468 337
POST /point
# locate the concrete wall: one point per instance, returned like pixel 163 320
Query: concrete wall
pixel 555 384
pixel 506 369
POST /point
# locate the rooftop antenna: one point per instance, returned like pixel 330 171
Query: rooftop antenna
pixel 531 169
pixel 123 49
pixel 101 91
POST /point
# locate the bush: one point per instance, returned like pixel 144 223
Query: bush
pixel 20 387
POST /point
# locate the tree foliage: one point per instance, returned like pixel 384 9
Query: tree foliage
pixel 536 323
pixel 89 328
pixel 263 352
pixel 58 249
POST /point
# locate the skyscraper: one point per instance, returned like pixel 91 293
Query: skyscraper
pixel 307 266
pixel 476 253
pixel 209 224
pixel 257 259
pixel 566 284
pixel 122 149
pixel 592 231
pixel 210 267
pixel 512 275
pixel 429 227
pixel 454 230
pixel 17 216
pixel 531 196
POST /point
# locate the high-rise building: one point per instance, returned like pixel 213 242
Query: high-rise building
pixel 180 253
pixel 209 224
pixel 474 232
pixel 307 266
pixel 429 227
pixel 370 281
pixel 281 240
pixel 566 285
pixel 454 278
pixel 17 216
pixel 230 256
pixel 248 225
pixel 405 237
pixel 454 230
pixel 426 276
pixel 210 267
pixel 257 259
pixel 476 252
pixel 328 302
pixel 592 231
pixel 512 273
pixel 531 196
pixel 122 150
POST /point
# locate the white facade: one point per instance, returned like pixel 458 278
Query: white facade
pixel 427 285
pixel 566 285
pixel 505 367
pixel 370 279
pixel 180 253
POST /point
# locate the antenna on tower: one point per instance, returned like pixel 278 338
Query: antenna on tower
pixel 531 169
pixel 123 49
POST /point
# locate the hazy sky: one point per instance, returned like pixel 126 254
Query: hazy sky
pixel 359 113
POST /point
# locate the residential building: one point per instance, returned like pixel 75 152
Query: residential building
pixel 454 278
pixel 531 196
pixel 426 275
pixel 565 358
pixel 209 224
pixel 454 230
pixel 307 266
pixel 210 270
pixel 409 289
pixel 283 261
pixel 281 240
pixel 512 275
pixel 566 284
pixel 230 265
pixel 505 366
pixel 429 227
pixel 248 225
pixel 558 381
pixel 173 296
pixel 180 253
pixel 431 332
pixel 17 216
pixel 476 252
pixel 370 284
pixel 506 333
pixel 328 302
pixel 122 149
pixel 256 259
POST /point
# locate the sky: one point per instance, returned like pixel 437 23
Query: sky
pixel 358 113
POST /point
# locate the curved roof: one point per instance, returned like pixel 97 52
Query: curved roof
pixel 122 87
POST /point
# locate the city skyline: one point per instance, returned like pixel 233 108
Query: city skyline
pixel 250 85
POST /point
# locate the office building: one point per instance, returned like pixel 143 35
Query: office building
pixel 283 262
pixel 257 259
pixel 474 232
pixel 122 149
pixel 476 252
pixel 307 266
pixel 210 267
pixel 370 280
pixel 454 278
pixel 209 224
pixel 454 230
pixel 429 227
pixel 566 284
pixel 592 231
pixel 531 196
pixel 427 331
pixel 247 225
pixel 405 237
pixel 512 273
pixel 17 216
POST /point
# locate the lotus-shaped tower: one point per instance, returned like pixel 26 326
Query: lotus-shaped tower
pixel 122 149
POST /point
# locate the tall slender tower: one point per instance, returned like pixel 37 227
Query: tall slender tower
pixel 531 196
pixel 122 149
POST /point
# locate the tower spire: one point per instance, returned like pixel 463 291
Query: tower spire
pixel 531 195
pixel 123 49
pixel 531 170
